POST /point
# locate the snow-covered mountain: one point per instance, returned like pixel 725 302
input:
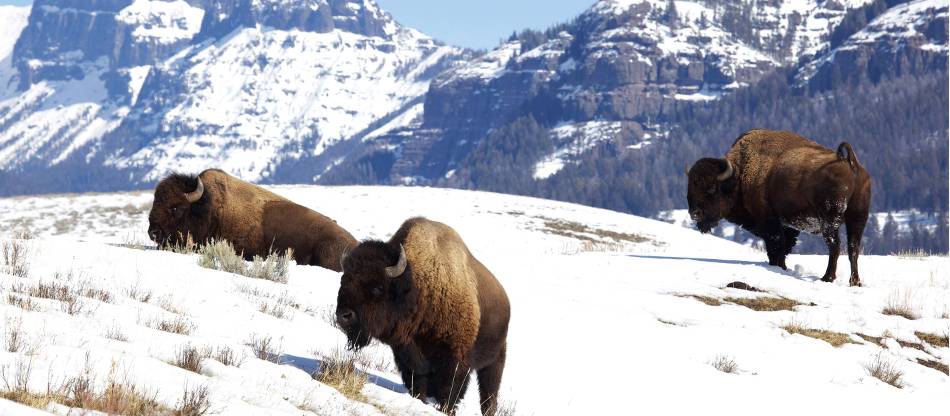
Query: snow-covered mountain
pixel 616 72
pixel 135 89
pixel 611 314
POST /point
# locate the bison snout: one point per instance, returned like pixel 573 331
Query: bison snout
pixel 154 234
pixel 345 316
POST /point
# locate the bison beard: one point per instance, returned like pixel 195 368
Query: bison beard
pixel 356 336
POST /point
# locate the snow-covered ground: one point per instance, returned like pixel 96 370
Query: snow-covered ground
pixel 603 315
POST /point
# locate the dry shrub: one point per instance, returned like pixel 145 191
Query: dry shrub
pixel 724 363
pixel 338 370
pixel 176 325
pixel 711 301
pixel 66 295
pixel 836 339
pixel 934 339
pixel 264 348
pixel 16 384
pixel 14 339
pixel 23 302
pixel 16 257
pixel 227 356
pixel 139 293
pixel 190 358
pixel 505 408
pixel 194 402
pixel 221 255
pixel 885 370
pixel 115 332
pixel 901 303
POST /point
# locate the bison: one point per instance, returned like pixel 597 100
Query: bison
pixel 215 205
pixel 777 183
pixel 441 311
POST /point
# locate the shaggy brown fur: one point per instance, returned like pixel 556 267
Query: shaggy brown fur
pixel 445 316
pixel 256 221
pixel 781 184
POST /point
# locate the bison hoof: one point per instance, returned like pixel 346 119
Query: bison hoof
pixel 828 279
pixel 855 283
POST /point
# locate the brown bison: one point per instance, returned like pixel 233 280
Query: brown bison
pixel 215 205
pixel 777 183
pixel 440 310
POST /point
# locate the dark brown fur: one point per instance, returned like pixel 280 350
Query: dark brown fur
pixel 782 184
pixel 445 317
pixel 256 221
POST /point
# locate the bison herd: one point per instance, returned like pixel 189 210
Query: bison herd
pixel 443 313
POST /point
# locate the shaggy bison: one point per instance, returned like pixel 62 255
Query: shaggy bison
pixel 215 205
pixel 775 184
pixel 440 310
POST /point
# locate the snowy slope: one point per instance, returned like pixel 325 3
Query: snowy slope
pixel 602 319
pixel 12 21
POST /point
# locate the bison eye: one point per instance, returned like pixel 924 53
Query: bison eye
pixel 711 190
pixel 377 290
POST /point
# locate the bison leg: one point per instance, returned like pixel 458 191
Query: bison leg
pixel 489 380
pixel 412 369
pixel 448 384
pixel 775 244
pixel 855 226
pixel 834 247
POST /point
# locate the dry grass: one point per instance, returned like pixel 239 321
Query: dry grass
pixel 836 339
pixel 167 303
pixel 711 301
pixel 265 348
pixel 936 365
pixel 221 255
pixel 139 293
pixel 190 358
pixel 918 253
pixel 194 402
pixel 280 307
pixel 23 302
pixel 879 341
pixel 176 325
pixel 901 303
pixel 724 363
pixel 115 332
pixel 578 231
pixel 16 257
pixel 766 303
pixel 120 396
pixel 885 370
pixel 934 339
pixel 227 356
pixel 338 370
pixel 66 295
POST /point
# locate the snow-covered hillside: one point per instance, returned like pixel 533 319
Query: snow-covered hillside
pixel 144 87
pixel 611 313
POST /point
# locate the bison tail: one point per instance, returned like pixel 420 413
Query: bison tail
pixel 846 153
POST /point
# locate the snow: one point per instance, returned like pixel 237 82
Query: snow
pixel 161 21
pixel 573 140
pixel 12 21
pixel 599 326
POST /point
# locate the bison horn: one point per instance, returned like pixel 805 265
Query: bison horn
pixel 195 195
pixel 727 174
pixel 400 267
pixel 686 168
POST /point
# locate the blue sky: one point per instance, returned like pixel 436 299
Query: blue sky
pixel 472 23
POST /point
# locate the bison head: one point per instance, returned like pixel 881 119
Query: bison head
pixel 178 210
pixel 710 191
pixel 376 292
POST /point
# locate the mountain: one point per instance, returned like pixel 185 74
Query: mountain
pixel 607 108
pixel 118 93
pixel 610 314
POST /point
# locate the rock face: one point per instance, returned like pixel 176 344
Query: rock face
pixel 908 39
pixel 126 91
